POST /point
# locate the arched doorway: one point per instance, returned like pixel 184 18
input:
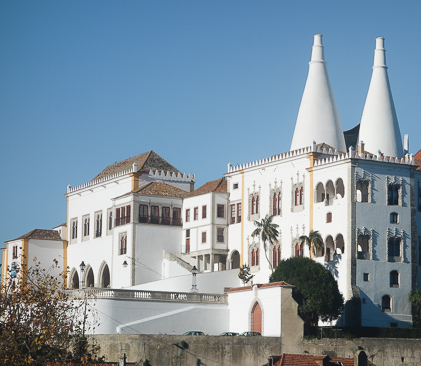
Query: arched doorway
pixel 256 318
pixel 235 260
pixel 90 278
pixel 74 279
pixel 104 275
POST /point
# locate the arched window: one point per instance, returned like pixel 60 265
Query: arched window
pixel 394 279
pixel 364 246
pixel 320 192
pixel 235 260
pixel 257 257
pixel 275 257
pixel 253 258
pixel 299 250
pixel 301 195
pixel 386 303
pixel 253 205
pixel 394 247
pixel 279 254
pixel 340 189
pixel 275 204
pixel 257 204
pixel 297 197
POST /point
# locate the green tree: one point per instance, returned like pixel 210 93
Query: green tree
pixel 415 299
pixel 313 240
pixel 316 290
pixel 268 232
pixel 40 322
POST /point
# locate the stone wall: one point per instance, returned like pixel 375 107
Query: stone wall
pixel 251 351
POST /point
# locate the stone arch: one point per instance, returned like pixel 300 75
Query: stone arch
pixel 340 244
pixel 330 248
pixel 235 259
pixel 340 188
pixel 330 192
pixel 89 279
pixel 319 195
pixel 74 279
pixel 104 275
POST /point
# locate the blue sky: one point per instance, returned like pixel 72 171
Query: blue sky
pixel 84 84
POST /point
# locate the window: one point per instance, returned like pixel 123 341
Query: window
pixel 73 232
pixel 203 237
pixel 276 256
pixel 363 246
pixel 329 217
pixel 276 203
pixel 235 186
pixel 363 188
pixel 15 251
pixel 299 196
pixel 299 250
pixel 166 219
pixel 394 218
pixel 196 213
pixel 123 244
pixel 188 215
pixel 110 220
pixel 98 224
pixel 366 277
pixel 394 247
pixel 204 212
pixel 394 279
pixel 253 258
pixel 176 216
pixel 220 235
pixel 232 214
pixel 238 212
pixel 154 215
pixel 188 241
pixel 220 211
pixel 393 191
pixel 143 213
pixel 122 215
pixel 386 303
pixel 86 222
pixel 257 257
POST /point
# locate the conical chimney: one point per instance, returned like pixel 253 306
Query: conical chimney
pixel 318 118
pixel 379 128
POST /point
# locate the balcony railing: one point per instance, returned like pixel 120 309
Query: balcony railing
pixel 160 220
pixel 142 295
pixel 122 221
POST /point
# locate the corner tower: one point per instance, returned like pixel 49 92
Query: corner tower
pixel 379 129
pixel 318 118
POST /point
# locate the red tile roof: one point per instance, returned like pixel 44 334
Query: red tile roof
pixel 41 234
pixel 162 189
pixel 264 285
pixel 145 162
pixel 417 160
pixel 219 185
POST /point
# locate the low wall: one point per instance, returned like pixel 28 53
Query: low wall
pixel 251 351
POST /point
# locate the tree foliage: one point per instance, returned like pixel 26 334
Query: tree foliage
pixel 268 232
pixel 40 322
pixel 313 240
pixel 414 298
pixel 316 290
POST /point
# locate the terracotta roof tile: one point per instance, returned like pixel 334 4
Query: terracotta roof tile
pixel 162 189
pixel 145 162
pixel 417 159
pixel 264 285
pixel 219 185
pixel 41 234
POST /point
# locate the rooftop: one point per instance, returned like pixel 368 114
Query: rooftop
pixel 41 234
pixel 219 185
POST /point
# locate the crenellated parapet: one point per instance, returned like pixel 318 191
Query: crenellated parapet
pixel 173 176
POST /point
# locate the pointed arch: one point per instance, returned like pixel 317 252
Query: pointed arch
pixel 104 275
pixel 73 279
pixel 256 318
pixel 235 259
pixel 89 279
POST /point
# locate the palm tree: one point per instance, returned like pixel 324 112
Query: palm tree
pixel 314 241
pixel 267 231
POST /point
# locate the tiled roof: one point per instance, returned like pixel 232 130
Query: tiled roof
pixel 264 285
pixel 41 234
pixel 417 159
pixel 286 359
pixel 162 189
pixel 145 162
pixel 219 185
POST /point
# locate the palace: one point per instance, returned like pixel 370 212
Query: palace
pixel 140 227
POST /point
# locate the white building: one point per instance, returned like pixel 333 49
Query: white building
pixel 140 224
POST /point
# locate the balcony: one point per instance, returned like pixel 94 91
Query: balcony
pixel 160 220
